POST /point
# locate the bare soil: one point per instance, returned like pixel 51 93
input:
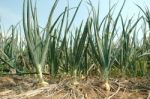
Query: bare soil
pixel 25 87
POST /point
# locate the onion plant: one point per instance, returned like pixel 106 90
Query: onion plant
pixel 73 44
pixel 38 41
pixel 57 47
pixel 130 51
pixel 8 49
pixel 101 41
pixel 77 49
pixel 128 46
pixel 146 41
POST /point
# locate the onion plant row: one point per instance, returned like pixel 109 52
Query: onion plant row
pixel 94 47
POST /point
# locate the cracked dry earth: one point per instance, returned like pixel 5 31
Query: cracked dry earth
pixel 23 87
